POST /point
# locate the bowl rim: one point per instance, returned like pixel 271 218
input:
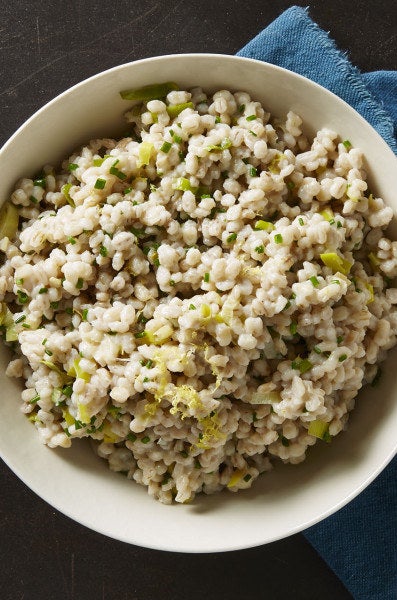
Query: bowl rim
pixel 372 475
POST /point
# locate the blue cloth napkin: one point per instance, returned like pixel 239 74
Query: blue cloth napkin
pixel 359 542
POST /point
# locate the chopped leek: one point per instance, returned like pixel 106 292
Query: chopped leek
pixel 76 371
pixel 336 263
pixel 83 412
pixel 264 397
pixel 264 226
pixel 235 478
pixel 175 109
pixel 374 260
pixel 224 145
pixel 144 153
pixel 327 214
pixel 65 189
pixel 184 185
pixel 149 92
pixel 9 218
pixel 302 365
pixel 319 429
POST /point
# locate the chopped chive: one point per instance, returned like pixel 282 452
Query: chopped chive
pixel 40 182
pixel 342 357
pixel 54 305
pixel 35 399
pixel 301 221
pixel 278 238
pixel 260 249
pixel 231 238
pixel 247 477
pixel 217 119
pixel 251 118
pixel 48 352
pixel 301 365
pixel 72 166
pixel 145 439
pixel 347 144
pixel 177 138
pixel 100 183
pixel 206 277
pixel 166 147
pixel 22 297
pixel 79 283
pixel 252 133
pixel 69 310
pixel 115 171
pixel 290 185
pixel 315 281
pixel 103 251
pixel 293 328
pixel 287 305
pixel 84 314
pixel 19 281
pixel 336 281
pixel 339 339
pixel 192 307
pixel 140 334
pixel 241 108
pixel 339 224
pixel 20 319
pixel 33 199
pixel 127 191
pixel 317 350
pixel 253 172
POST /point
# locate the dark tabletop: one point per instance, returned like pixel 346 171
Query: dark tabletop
pixel 45 47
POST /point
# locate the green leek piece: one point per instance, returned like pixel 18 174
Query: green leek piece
pixel 327 214
pixel 76 371
pixel 224 145
pixel 144 154
pixel 175 109
pixel 184 185
pixel 319 429
pixel 265 397
pixel 302 366
pixel 65 189
pixel 154 91
pixel 336 263
pixel 235 478
pixel 9 218
pixel 264 226
pixel 7 319
pixel 374 260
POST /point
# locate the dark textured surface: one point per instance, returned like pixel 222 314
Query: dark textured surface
pixel 45 47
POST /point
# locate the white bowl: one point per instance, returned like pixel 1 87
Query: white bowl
pixel 282 502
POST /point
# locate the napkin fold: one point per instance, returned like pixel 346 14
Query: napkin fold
pixel 359 541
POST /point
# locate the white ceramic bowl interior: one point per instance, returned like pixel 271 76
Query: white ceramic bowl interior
pixel 282 502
